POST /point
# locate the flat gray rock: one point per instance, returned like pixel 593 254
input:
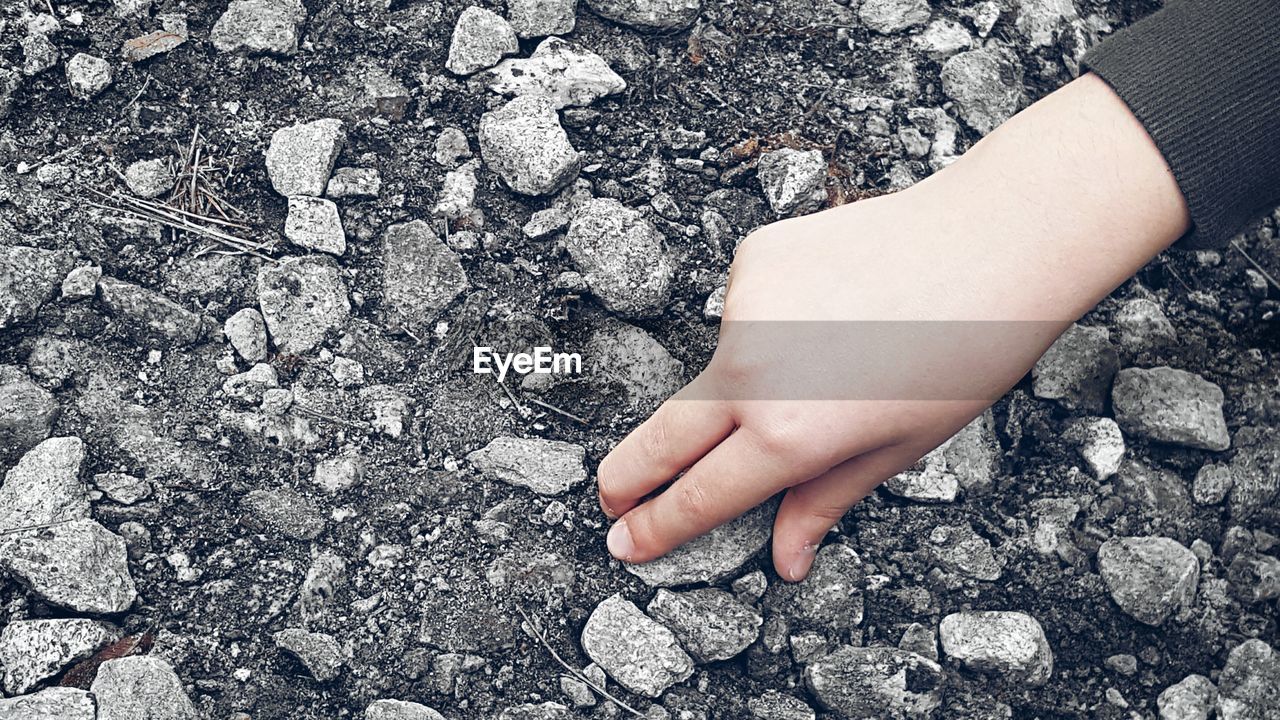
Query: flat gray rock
pixel 830 598
pixel 891 16
pixel 44 487
pixel 713 556
pixel 1150 578
pixel 319 653
pixel 1077 369
pixel 35 650
pixel 563 72
pixel 660 15
pixel 622 256
pixel 710 624
pixel 57 703
pixel 260 27
pixel 986 86
pixel 399 710
pixel 1006 645
pixel 27 411
pixel 247 333
pixel 959 549
pixel 525 145
pixel 313 223
pixel 640 654
pixel 1249 687
pixel 28 279
pixel 547 467
pixel 300 157
pixel 302 299
pixel 149 316
pixel 1170 406
pixel 421 276
pixel 876 682
pixel 78 565
pixel 142 687
pixel 632 358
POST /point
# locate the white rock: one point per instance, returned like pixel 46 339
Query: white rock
pixel 451 146
pixel 891 16
pixel 1170 406
pixel 458 192
pixel 141 687
pixel 1010 645
pixel 149 178
pixel 335 475
pixel 525 145
pixel 713 556
pixel 969 460
pixel 56 703
pixel 248 386
pixel 480 39
pixel 942 39
pixel 539 18
pixel 399 710
pixel 1103 446
pixel 81 282
pixel 793 179
pixel 714 307
pixel 313 223
pixel 34 650
pixel 622 256
pixel 986 86
pixel 301 157
pixel 1192 698
pixel 1041 20
pixel 44 487
pixel 302 299
pixel 122 487
pixel 260 27
pixel 640 654
pixel 247 333
pixel 627 355
pixel 547 467
pixel 88 75
pixel 421 276
pixel 78 565
pixel 564 73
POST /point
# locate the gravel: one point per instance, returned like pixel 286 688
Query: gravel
pixel 313 223
pixel 421 277
pixel 28 278
pixel 774 705
pixel 793 180
pixel 122 487
pixel 458 192
pixel 88 75
pixel 44 487
pixel 662 15
pixel 1170 406
pixel 247 333
pixel 525 145
pixel 876 682
pixel 539 18
pixel 480 39
pixel 141 688
pixel 710 624
pixel 563 72
pixel 622 256
pixel 1150 578
pixel 635 361
pixel 149 178
pixel 639 654
pixel 57 703
pixel 1077 369
pixel 1003 644
pixel 300 157
pixel 713 556
pixel 1255 472
pixel 260 27
pixel 77 565
pixel 1212 483
pixel 1249 687
pixel 1192 698
pixel 318 652
pixel 34 650
pixel 302 299
pixel 957 548
pixel 986 87
pixel 547 467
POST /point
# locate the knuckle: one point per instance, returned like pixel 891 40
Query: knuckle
pixel 655 441
pixel 780 439
pixel 691 499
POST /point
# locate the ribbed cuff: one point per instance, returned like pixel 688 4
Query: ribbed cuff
pixel 1203 77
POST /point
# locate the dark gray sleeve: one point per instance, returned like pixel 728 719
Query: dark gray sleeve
pixel 1203 77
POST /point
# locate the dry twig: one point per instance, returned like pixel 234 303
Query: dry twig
pixel 1255 264
pixel 573 672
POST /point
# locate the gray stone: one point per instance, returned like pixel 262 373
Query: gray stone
pixel 793 180
pixel 149 316
pixel 662 15
pixel 300 157
pixel 313 223
pixel 1149 577
pixel 985 85
pixel 1077 369
pixel 1161 493
pixel 302 299
pixel 1040 21
pixel 354 182
pixel 88 75
pixel 775 705
pixel 318 652
pixel 44 487
pixel 287 512
pixel 1255 470
pixel 142 687
pixel 399 710
pixel 622 256
pixel 713 556
pixel 247 333
pixel 57 703
pixel 830 598
pixel 713 309
pixel 710 624
pixel 131 8
pixel 968 460
pixel 958 548
pixel 35 650
pixel 421 276
pixel 540 711
pixel 1254 578
pixel 149 178
pixel 1212 483
pixel 940 40
pixel 260 27
pixel 1192 698
pixel 1008 645
pixel 78 565
pixel 563 72
pixel 547 467
pixel 480 39
pixel 525 145
pixel 38 53
pixel 1102 446
pixel 248 386
pixel 335 475
pixel 28 278
pixel 1142 325
pixel 122 487
pixel 920 640
pixel 451 146
pixel 27 411
pixel 458 192
pixel 545 222
pixel 640 654
pixel 540 18
pixel 1249 687
pixel 876 682
pixel 891 16
pixel 386 408
pixel 81 283
pixel 1170 406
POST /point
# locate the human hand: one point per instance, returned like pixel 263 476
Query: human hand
pixel 857 339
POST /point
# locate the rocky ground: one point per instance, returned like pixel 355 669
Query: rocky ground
pixel 246 251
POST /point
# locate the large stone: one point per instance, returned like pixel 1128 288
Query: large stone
pixel 876 682
pixel 1149 577
pixel 302 299
pixel 57 703
pixel 260 27
pixel 1077 369
pixel 44 487
pixel 713 556
pixel 421 276
pixel 35 650
pixel 301 157
pixel 830 598
pixel 480 39
pixel 28 278
pixel 540 18
pixel 985 85
pixel 661 15
pixel 710 624
pixel 319 653
pixel 142 687
pixel 640 654
pixel 891 16
pixel 149 316
pixel 525 145
pixel 1249 687
pixel 793 179
pixel 78 565
pixel 1192 698
pixel 564 73
pixel 27 411
pixel 547 467
pixel 313 223
pixel 627 355
pixel 622 257
pixel 1008 645
pixel 968 460
pixel 1170 406
pixel 287 512
pixel 399 710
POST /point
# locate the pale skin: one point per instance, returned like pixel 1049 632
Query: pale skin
pixel 1035 224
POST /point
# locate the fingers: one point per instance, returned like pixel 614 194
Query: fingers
pixel 672 439
pixel 740 473
pixel 809 510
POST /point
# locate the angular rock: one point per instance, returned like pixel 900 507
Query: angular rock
pixel 891 16
pixel 386 408
pixel 44 487
pixel 248 386
pixel 78 565
pixel 88 75
pixel 300 157
pixel 1159 492
pixel 81 282
pixel 335 475
pixel 480 39
pixel 1142 325
pixel 1077 369
pixel 1254 578
pixel 1212 483
pixel 1249 687
pixel 1040 21
pixel 1192 698
pixel 1149 577
pixel 531 711
pixel 710 624
pixel 969 460
pixel 1102 446
pixel 27 411
pixel 640 654
pixel 959 549
pixel 713 556
pixel 940 40
pixel 28 278
pixel 540 18
pixel 563 72
pixel 1170 406
pixel 142 686
pixel 122 487
pixel 149 178
pixel 1007 645
pixel 56 703
pixel 260 27
pixel 1255 471
pixel 35 650
pixel 313 223
pixel 985 85
pixel 622 256
pixel 148 315
pixel 458 192
pixel 793 179
pixel 247 333
pixel 775 705
pixel 354 182
pixel 659 15
pixel 318 652
pixel 302 299
pixel 545 222
pixel 547 467
pixel 451 146
pixel 876 682
pixel 287 512
pixel 525 145
pixel 626 355
pixel 38 53
pixel 399 710
pixel 421 276
pixel 830 598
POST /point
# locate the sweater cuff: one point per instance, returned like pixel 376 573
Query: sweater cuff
pixel 1203 78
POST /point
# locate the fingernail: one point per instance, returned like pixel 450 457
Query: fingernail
pixel 803 560
pixel 620 543
pixel 608 511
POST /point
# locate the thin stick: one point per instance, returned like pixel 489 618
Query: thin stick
pixel 519 408
pixel 25 528
pixel 330 418
pixel 554 409
pixel 1255 264
pixel 574 672
pixel 232 241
